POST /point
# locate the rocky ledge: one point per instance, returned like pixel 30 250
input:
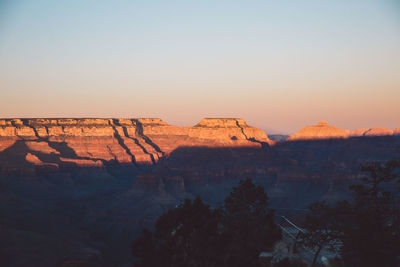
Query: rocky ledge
pixel 95 142
pixel 324 131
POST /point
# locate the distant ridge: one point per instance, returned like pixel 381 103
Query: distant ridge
pixel 324 131
pixel 95 142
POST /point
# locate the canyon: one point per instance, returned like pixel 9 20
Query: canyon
pixel 95 142
pixel 75 192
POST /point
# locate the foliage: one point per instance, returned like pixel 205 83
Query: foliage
pixel 185 236
pixel 289 261
pixel 193 234
pixel 248 224
pixel 322 230
pixel 373 237
pixel 368 229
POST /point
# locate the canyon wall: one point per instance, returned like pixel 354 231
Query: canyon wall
pixel 95 142
pixel 80 190
pixel 52 144
pixel 324 131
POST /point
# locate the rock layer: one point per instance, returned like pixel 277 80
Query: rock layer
pixel 324 131
pixel 320 131
pixel 95 142
pixel 374 131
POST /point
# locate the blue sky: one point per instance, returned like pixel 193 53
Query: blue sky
pixel 280 65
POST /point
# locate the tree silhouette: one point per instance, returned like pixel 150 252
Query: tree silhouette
pixel 249 224
pixel 373 237
pixel 323 231
pixel 368 229
pixel 194 235
pixel 185 236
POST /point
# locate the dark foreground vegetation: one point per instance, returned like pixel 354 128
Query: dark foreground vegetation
pixel 194 234
pixel 361 232
pixel 366 231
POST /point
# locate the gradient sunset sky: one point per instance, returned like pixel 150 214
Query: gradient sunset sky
pixel 280 65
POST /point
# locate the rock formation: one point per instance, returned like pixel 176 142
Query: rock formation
pixel 95 142
pixel 81 190
pixel 323 131
pixel 374 131
pixel 320 131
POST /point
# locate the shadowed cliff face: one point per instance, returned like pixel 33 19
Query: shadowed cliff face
pixel 330 165
pixel 81 190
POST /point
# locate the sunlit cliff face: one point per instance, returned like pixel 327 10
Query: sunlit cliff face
pixel 96 142
pixel 324 131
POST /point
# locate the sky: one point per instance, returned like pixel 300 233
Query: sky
pixel 280 65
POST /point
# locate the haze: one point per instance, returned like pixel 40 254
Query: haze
pixel 280 65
